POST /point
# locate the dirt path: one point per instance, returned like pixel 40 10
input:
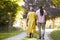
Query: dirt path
pixel 22 35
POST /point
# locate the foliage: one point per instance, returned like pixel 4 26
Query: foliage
pixel 7 8
pixel 56 3
pixel 55 35
pixel 7 13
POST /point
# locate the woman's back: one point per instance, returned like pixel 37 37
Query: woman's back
pixel 32 16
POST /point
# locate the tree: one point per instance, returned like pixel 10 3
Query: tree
pixel 7 13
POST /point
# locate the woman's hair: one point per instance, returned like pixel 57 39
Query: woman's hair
pixel 41 11
pixel 31 9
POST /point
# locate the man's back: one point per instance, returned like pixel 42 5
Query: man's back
pixel 41 19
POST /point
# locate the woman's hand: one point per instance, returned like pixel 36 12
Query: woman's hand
pixel 27 24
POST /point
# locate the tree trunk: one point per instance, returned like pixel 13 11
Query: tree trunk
pixel 10 25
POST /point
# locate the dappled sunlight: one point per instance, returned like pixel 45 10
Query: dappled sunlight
pixel 18 19
pixel 19 22
pixel 49 23
pixel 57 21
pixel 19 15
pixel 13 19
pixel 19 2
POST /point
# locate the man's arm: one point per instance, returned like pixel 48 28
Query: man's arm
pixel 45 13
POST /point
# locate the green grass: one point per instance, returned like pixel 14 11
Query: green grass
pixel 55 35
pixel 29 38
pixel 8 34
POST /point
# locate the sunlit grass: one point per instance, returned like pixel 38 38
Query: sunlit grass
pixel 30 39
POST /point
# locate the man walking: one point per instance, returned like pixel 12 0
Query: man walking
pixel 41 13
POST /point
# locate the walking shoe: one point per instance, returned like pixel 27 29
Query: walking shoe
pixel 40 37
pixel 31 35
pixel 43 37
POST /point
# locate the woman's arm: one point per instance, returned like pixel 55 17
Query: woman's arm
pixel 27 22
pixel 27 19
pixel 36 18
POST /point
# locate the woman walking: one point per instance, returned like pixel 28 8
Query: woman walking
pixel 31 22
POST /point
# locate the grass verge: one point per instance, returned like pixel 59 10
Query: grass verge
pixel 9 34
pixel 55 35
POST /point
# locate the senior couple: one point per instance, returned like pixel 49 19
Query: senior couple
pixel 34 19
